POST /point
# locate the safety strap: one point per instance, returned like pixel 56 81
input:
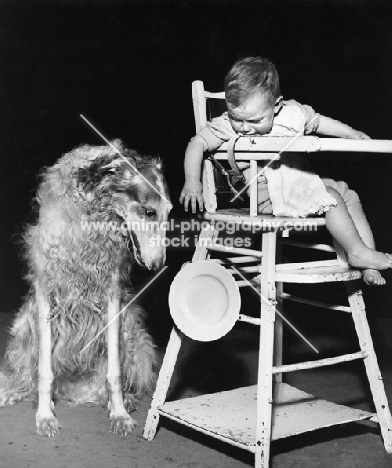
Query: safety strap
pixel 234 177
pixel 231 158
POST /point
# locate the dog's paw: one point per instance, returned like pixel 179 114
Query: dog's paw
pixel 47 425
pixel 123 424
pixel 5 400
pixel 9 398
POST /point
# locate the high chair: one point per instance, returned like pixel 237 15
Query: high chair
pixel 251 417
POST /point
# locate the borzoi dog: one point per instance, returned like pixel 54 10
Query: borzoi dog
pixel 78 336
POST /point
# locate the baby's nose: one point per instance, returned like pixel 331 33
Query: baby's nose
pixel 246 127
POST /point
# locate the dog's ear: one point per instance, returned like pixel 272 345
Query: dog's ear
pixel 91 176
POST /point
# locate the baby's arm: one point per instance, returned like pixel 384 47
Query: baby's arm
pixel 192 190
pixel 331 127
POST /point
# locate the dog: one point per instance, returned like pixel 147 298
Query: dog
pixel 79 335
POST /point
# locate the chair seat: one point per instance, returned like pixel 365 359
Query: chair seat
pixel 326 271
pixel 266 222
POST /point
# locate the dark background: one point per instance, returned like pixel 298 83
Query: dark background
pixel 128 66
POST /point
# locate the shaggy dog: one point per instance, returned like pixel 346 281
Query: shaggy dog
pixel 78 336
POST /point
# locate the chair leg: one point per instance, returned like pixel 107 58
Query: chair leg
pixel 163 383
pixel 264 384
pixel 166 372
pixel 264 389
pixel 206 239
pixel 278 338
pixel 278 332
pixel 372 369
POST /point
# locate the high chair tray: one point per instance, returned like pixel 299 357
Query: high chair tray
pixel 231 415
pixel 261 145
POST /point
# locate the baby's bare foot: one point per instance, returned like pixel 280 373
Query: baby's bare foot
pixel 368 258
pixel 373 277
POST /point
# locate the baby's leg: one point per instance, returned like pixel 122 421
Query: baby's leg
pixel 370 276
pixel 342 228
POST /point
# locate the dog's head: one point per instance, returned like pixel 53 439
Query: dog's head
pixel 133 192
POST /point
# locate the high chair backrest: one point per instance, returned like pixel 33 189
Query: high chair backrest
pixel 202 108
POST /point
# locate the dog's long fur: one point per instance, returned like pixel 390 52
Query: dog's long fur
pixel 80 279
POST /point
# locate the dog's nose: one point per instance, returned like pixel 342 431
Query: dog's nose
pixel 157 263
pixel 160 263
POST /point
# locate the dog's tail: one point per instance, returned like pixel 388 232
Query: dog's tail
pixel 139 358
pixel 18 381
pixel 3 382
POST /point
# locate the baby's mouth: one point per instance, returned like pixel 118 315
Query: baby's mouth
pixel 251 132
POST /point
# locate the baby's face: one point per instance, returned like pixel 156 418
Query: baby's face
pixel 254 117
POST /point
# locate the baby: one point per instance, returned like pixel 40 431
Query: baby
pixel 256 107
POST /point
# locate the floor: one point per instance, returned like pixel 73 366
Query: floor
pixel 85 440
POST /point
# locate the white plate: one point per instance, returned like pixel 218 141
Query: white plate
pixel 204 300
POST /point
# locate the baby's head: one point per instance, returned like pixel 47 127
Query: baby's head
pixel 252 95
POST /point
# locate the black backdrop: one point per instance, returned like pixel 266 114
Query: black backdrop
pixel 128 67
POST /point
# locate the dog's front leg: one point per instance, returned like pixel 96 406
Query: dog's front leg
pixel 46 421
pixel 120 421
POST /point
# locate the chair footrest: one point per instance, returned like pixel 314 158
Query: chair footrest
pixel 231 416
pixel 319 363
pixel 322 274
pixel 314 302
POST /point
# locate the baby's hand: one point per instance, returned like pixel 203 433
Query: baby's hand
pixel 357 135
pixel 243 165
pixel 192 192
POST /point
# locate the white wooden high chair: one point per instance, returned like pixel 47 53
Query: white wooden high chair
pixel 253 416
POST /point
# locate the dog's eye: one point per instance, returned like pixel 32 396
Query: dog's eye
pixel 150 212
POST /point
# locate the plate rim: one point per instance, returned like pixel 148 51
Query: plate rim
pixel 195 331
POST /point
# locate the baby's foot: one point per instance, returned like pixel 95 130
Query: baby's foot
pixel 369 258
pixel 373 277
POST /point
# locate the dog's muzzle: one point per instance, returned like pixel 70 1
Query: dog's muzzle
pixel 136 249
